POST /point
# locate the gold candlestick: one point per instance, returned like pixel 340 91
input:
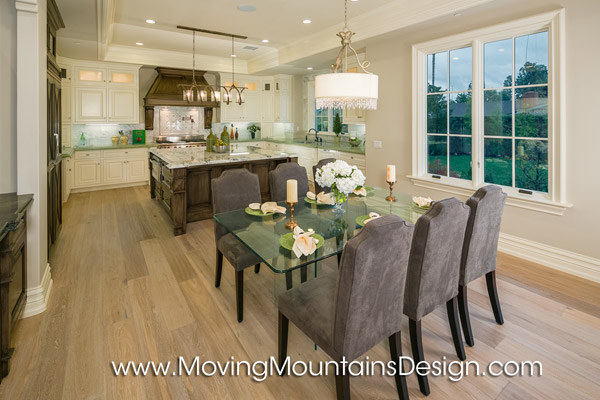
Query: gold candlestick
pixel 391 196
pixel 291 224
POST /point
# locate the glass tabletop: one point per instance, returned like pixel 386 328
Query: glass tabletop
pixel 261 233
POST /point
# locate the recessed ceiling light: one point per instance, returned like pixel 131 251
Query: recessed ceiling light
pixel 265 40
pixel 309 68
pixel 353 0
pixel 77 42
pixel 139 43
pixel 150 21
pixel 500 49
pixel 233 55
pixel 246 7
pixel 306 21
pixel 457 14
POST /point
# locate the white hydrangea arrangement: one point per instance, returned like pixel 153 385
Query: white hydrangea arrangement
pixel 341 177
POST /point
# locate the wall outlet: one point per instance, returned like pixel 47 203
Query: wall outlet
pixel 377 144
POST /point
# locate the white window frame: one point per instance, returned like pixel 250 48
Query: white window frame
pixel 553 202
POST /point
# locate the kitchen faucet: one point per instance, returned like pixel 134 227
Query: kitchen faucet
pixel 316 134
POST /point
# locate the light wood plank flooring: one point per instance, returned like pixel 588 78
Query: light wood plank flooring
pixel 126 289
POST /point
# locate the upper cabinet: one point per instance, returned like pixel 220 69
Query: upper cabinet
pixel 250 109
pixel 101 92
pixel 354 116
pixel 283 98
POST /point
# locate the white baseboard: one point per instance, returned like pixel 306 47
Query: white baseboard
pixel 37 297
pixel 553 257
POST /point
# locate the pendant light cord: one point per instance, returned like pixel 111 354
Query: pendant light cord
pixel 345 14
pixel 232 63
pixel 194 57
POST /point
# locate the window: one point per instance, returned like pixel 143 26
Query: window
pixel 324 118
pixel 484 112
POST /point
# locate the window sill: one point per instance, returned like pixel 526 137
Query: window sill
pixel 528 203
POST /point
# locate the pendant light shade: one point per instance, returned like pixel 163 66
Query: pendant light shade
pixel 342 89
pixel 350 90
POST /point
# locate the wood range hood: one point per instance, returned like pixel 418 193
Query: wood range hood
pixel 165 91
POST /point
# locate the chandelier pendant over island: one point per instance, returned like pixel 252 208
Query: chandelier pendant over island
pixel 194 92
pixel 347 89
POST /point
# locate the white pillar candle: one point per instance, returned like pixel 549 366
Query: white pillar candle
pixel 391 173
pixel 292 191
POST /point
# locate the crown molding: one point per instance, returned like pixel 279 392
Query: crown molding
pixel 30 6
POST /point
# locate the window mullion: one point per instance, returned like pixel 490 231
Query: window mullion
pixel 477 169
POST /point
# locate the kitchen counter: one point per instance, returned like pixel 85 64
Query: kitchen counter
pixel 12 207
pixel 193 157
pixel 327 145
pixel 109 146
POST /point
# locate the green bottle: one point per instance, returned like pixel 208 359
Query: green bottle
pixel 225 136
pixel 82 139
pixel 210 141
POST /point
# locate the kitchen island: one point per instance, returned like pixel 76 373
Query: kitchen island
pixel 180 178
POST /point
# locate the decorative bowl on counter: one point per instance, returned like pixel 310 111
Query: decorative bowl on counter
pixel 220 149
pixel 354 142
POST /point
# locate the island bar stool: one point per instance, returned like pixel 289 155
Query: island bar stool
pixel 433 272
pixel 279 176
pixel 320 164
pixel 233 190
pixel 479 251
pixel 348 315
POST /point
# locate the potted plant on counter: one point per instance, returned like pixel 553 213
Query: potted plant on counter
pixel 253 128
pixel 337 127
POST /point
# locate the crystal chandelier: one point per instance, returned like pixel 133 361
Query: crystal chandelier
pixel 194 92
pixel 345 89
pixel 233 90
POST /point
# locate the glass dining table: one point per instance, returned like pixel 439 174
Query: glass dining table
pixel 261 234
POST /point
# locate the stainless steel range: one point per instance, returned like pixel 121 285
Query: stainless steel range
pixel 170 142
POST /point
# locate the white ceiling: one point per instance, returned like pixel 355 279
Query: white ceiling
pixel 292 45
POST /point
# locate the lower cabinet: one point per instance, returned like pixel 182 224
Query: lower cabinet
pixel 98 168
pixel 67 175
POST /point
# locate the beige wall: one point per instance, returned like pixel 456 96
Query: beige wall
pixel 578 230
pixel 8 97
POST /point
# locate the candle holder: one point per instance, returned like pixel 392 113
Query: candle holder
pixel 291 224
pixel 391 196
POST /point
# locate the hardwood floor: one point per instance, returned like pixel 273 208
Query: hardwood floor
pixel 126 289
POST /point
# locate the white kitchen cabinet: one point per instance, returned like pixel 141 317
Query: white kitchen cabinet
pixel 114 171
pixel 67 137
pixel 67 178
pixel 285 107
pixel 354 116
pixel 351 158
pixel 87 173
pixel 67 73
pixel 137 170
pixel 122 77
pixel 251 107
pixel 89 75
pixel 266 130
pixel 90 104
pixel 267 107
pixel 66 106
pixel 283 98
pixel 95 169
pixel 123 105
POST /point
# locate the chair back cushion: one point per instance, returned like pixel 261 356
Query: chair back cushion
pixel 434 263
pixel 278 180
pixel 233 190
pixel 481 237
pixel 320 164
pixel 370 288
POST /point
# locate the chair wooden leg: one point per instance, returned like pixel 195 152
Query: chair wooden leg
pixel 342 386
pixel 396 352
pixel 284 324
pixel 303 274
pixel 257 268
pixel 465 320
pixel 288 280
pixel 239 294
pixel 452 307
pixel 490 279
pixel 416 342
pixel 219 268
pixel 339 259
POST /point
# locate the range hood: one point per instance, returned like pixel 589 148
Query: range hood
pixel 166 92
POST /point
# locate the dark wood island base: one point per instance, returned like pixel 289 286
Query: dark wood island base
pixel 185 192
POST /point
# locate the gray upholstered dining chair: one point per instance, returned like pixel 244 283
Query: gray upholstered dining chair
pixel 233 190
pixel 433 272
pixel 349 315
pixel 280 175
pixel 320 164
pixel 479 251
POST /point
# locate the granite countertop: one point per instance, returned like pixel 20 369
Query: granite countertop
pixel 326 145
pixel 192 157
pixel 11 208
